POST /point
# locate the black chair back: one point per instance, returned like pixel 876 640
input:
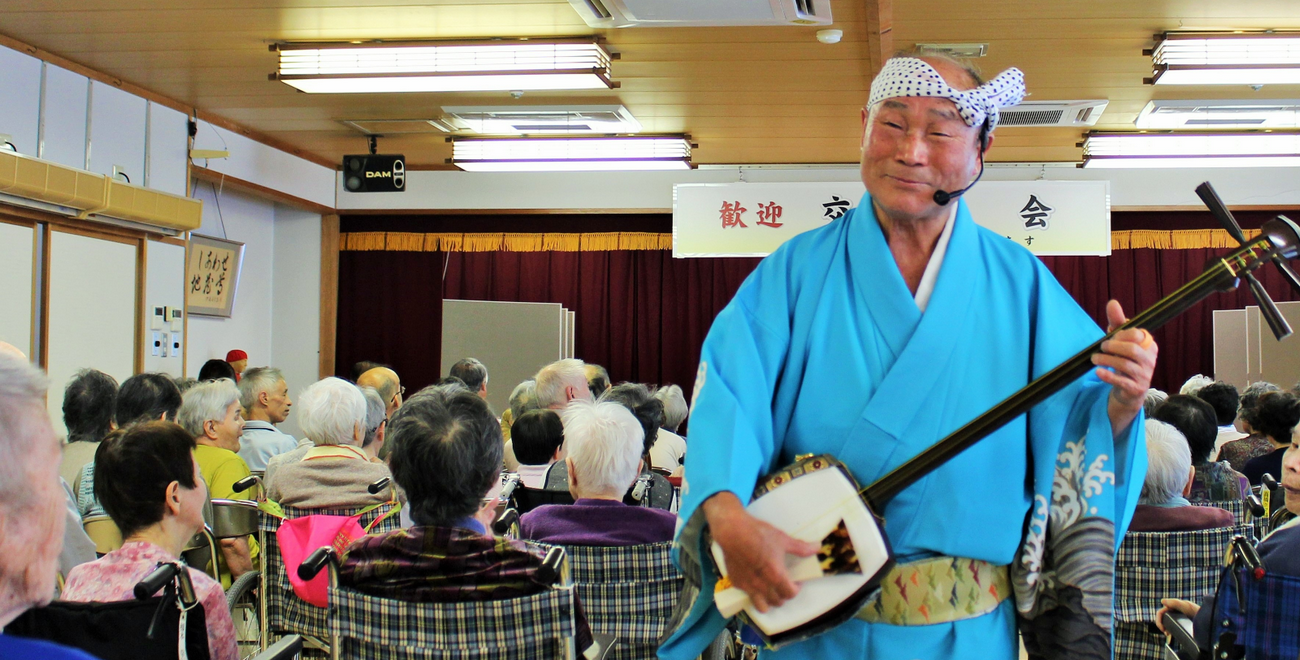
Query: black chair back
pixel 116 631
pixel 527 499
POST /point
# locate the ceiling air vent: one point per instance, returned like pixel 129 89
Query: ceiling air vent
pixel 1221 113
pixel 695 13
pixel 1053 113
pixel 540 119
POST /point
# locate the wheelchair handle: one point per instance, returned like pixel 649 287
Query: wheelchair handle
pixel 1179 628
pixel 1256 506
pixel 159 578
pixel 245 483
pixel 1242 550
pixel 501 526
pixel 312 565
pixel 550 569
pixel 379 485
pixel 1269 482
pixel 512 482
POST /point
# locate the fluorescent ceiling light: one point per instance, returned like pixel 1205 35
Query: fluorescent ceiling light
pixel 443 67
pixel 1135 150
pixel 572 154
pixel 541 119
pixel 1235 58
pixel 1220 114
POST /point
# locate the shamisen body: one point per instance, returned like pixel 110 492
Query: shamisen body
pixel 873 337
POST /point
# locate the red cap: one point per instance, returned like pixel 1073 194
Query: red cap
pixel 236 355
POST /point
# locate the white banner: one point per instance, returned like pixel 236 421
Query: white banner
pixel 1051 218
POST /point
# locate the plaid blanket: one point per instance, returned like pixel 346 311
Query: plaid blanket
pixel 1154 565
pixel 628 592
pixel 1269 629
pixel 286 613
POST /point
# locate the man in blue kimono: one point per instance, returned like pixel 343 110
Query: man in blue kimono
pixel 871 339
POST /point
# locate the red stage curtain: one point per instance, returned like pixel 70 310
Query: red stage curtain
pixel 644 315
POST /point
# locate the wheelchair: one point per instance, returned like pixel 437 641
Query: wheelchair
pixel 232 519
pixel 1256 614
pixel 148 628
pixel 536 627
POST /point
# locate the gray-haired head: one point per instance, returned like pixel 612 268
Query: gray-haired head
pixel 523 399
pixel 471 372
pixel 561 381
pixel 604 444
pixel 1169 463
pixel 675 409
pixel 1194 384
pixel 1153 398
pixel 446 455
pixel 376 411
pixel 1250 398
pixel 255 381
pixel 207 401
pixel 23 420
pixel 332 411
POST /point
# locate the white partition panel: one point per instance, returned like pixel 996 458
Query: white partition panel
pixel 164 286
pixel 20 101
pixel 17 250
pixel 512 339
pixel 166 169
pixel 117 132
pixel 63 117
pixel 91 313
pixel 1230 360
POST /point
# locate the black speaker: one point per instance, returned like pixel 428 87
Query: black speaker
pixel 374 173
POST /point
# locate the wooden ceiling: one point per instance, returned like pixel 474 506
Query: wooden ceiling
pixel 746 94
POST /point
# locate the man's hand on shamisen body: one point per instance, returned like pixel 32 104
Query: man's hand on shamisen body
pixel 754 551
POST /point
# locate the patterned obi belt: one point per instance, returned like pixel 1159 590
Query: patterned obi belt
pixel 938 590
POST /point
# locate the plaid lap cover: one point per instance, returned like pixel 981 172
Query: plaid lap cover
pixel 1154 565
pixel 1270 627
pixel 536 627
pixel 629 592
pixel 286 613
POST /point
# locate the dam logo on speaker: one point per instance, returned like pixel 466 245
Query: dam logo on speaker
pixel 374 173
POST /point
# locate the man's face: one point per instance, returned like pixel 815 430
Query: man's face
pixel 239 365
pixel 33 530
pixel 228 428
pixel 914 146
pixel 278 403
pixel 396 401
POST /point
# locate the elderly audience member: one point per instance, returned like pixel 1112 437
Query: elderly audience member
pixel 597 379
pixel 1223 398
pixel 1154 398
pixel 1280 550
pixel 216 370
pixel 149 482
pixel 669 450
pixel 560 382
pixel 536 437
pixel 387 383
pixel 1238 452
pixel 447 457
pixel 522 399
pixel 675 409
pixel 238 361
pixel 88 403
pixel 471 372
pixel 31 504
pixel 335 472
pixel 1194 418
pixel 665 449
pixel 605 443
pixel 1163 506
pixel 376 424
pixel 265 398
pixel 141 398
pixel 1276 415
pixel 1194 385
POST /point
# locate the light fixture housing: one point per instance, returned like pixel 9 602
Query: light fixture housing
pixel 444 66
pixel 572 154
pixel 1187 149
pixel 1225 58
pixel 1220 114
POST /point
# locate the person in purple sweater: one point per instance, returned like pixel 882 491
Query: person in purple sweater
pixel 604 444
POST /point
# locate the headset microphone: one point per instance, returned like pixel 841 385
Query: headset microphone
pixel 942 197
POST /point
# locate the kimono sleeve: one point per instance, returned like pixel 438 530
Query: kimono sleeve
pixel 732 437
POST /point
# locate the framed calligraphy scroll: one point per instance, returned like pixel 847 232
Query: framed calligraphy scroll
pixel 212 275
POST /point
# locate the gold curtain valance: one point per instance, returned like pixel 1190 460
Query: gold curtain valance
pixel 498 242
pixel 395 241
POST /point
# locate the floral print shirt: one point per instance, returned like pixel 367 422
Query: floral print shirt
pixel 113 577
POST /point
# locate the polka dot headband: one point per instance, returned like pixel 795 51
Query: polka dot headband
pixel 908 76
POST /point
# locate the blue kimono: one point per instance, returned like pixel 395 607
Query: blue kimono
pixel 824 350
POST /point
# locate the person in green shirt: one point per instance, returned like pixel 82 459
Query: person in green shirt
pixel 210 411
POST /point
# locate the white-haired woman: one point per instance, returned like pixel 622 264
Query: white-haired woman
pixel 1163 506
pixel 211 413
pixel 334 473
pixel 604 444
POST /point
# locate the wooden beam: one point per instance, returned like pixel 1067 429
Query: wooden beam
pixel 329 291
pixel 880 33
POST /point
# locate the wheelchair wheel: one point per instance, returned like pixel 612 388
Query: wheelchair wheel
pixel 723 647
pixel 242 597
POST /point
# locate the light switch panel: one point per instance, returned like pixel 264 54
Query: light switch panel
pixel 176 344
pixel 175 318
pixel 166 345
pixel 157 343
pixel 156 321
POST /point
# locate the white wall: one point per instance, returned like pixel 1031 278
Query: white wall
pixel 654 190
pixel 295 314
pixel 164 286
pixel 266 166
